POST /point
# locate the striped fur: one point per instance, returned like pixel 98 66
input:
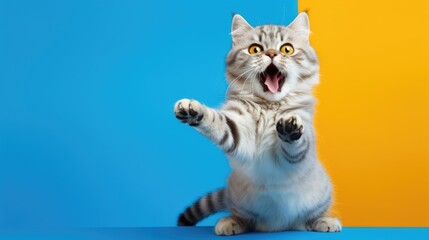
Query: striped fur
pixel 277 182
pixel 211 203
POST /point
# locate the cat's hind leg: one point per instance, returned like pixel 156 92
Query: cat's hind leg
pixel 325 224
pixel 232 225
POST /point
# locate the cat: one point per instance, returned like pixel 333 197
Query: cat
pixel 266 129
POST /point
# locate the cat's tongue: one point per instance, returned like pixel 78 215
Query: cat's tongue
pixel 272 82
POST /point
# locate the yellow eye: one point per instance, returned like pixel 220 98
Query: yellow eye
pixel 255 48
pixel 287 49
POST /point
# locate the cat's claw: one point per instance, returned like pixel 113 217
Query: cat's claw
pixel 189 111
pixel 290 127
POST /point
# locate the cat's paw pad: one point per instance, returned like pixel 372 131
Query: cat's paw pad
pixel 228 226
pixel 327 224
pixel 189 111
pixel 290 128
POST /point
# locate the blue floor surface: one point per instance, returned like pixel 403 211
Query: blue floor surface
pixel 190 233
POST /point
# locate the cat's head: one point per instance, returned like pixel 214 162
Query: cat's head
pixel 271 61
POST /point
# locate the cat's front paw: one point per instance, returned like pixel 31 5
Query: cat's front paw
pixel 290 127
pixel 189 111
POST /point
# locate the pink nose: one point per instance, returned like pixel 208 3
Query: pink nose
pixel 271 53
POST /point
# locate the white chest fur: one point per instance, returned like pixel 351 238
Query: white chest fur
pixel 265 187
pixel 280 202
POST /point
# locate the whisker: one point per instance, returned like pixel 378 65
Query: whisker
pixel 244 84
pixel 237 78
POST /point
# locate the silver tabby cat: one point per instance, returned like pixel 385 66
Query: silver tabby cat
pixel 266 129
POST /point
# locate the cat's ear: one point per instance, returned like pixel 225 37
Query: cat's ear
pixel 301 25
pixel 239 27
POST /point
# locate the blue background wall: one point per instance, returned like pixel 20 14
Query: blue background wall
pixel 87 132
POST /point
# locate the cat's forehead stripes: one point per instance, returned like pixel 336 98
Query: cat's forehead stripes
pixel 270 35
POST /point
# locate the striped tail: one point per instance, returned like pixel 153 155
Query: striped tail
pixel 202 208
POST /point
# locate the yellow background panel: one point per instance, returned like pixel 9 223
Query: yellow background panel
pixel 372 118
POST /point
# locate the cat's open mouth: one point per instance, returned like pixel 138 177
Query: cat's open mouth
pixel 272 79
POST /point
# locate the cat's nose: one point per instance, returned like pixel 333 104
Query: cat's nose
pixel 271 53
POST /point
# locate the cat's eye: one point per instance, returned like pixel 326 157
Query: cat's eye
pixel 255 48
pixel 287 49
